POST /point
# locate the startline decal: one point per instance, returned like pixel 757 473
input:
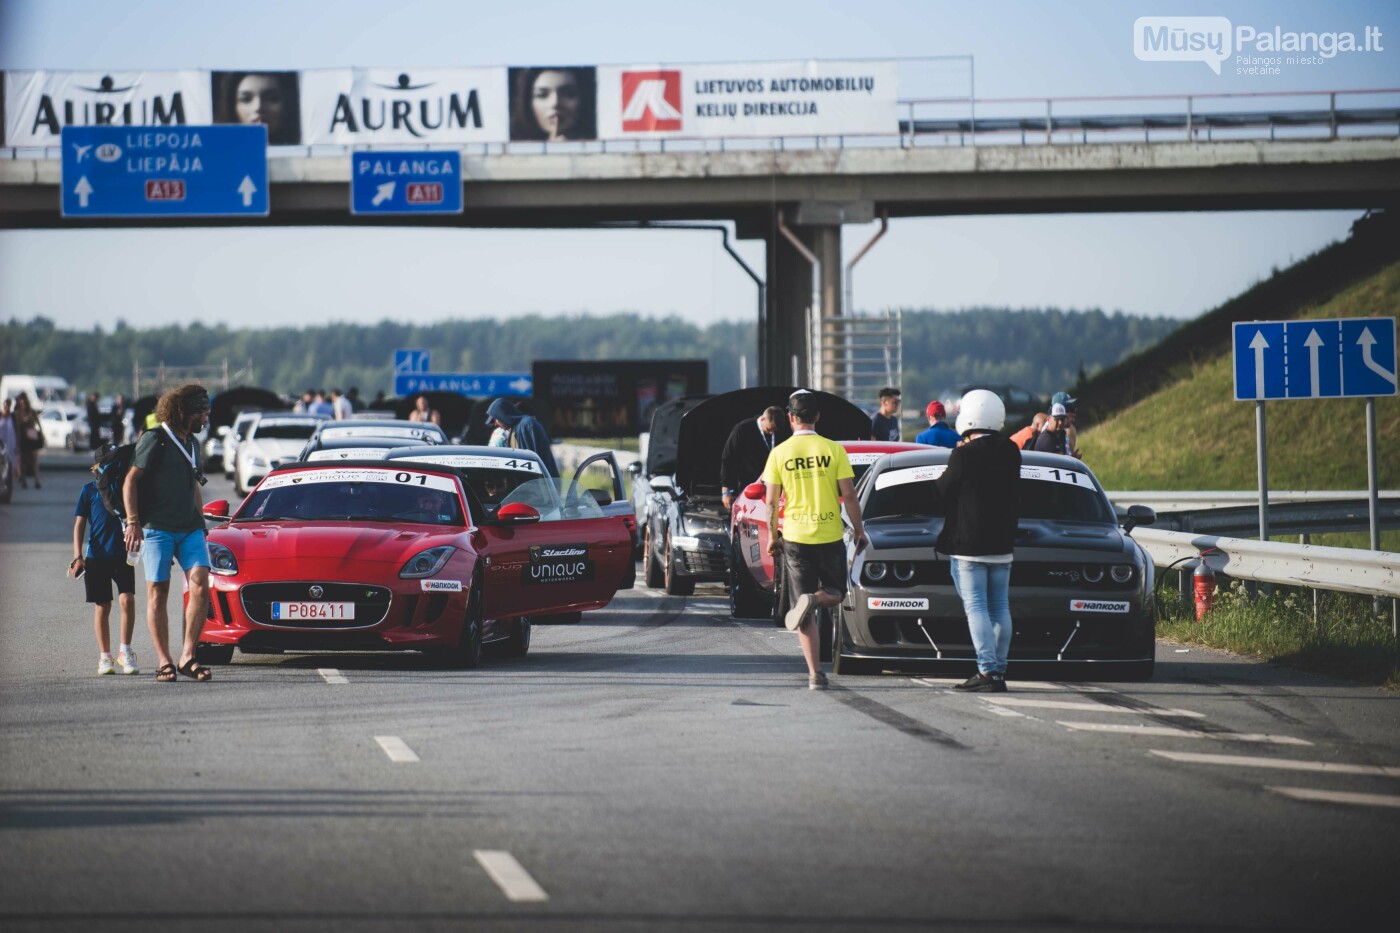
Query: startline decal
pixel 463 461
pixel 926 473
pixel 389 476
pixel 400 431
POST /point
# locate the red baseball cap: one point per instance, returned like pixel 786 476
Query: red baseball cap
pixel 936 410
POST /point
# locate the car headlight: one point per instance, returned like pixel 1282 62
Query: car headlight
pixel 221 560
pixel 1121 573
pixel 876 570
pixel 1093 573
pixel 427 563
pixel 903 572
pixel 257 463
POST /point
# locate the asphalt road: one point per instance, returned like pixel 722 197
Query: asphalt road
pixel 660 766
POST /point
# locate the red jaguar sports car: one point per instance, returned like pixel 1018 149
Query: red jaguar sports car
pixel 394 555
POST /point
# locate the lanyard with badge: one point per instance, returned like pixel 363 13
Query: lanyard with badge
pixel 185 452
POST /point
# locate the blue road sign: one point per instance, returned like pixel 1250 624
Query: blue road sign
pixel 1368 356
pixel 1326 358
pixel 410 361
pixel 170 171
pixel 464 383
pixel 424 182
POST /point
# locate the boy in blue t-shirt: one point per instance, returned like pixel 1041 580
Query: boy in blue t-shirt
pixel 101 563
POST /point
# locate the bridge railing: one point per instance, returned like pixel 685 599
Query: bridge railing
pixel 1016 121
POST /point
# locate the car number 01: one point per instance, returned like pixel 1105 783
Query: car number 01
pixel 408 478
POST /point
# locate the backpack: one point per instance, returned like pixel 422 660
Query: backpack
pixel 111 476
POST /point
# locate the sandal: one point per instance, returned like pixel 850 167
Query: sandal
pixel 196 671
pixel 165 674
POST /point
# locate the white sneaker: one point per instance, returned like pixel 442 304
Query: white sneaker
pixel 104 665
pixel 127 662
pixel 798 612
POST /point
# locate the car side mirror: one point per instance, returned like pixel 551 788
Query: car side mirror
pixel 518 513
pixel 755 491
pixel 635 468
pixel 216 509
pixel 223 431
pixel 1138 515
pixel 600 496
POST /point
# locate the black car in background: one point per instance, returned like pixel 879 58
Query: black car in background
pixel 685 527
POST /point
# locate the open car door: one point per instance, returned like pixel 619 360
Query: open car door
pixel 600 477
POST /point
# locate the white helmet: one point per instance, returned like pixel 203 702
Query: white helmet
pixel 981 410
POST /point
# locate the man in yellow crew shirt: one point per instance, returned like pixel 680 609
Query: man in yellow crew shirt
pixel 816 476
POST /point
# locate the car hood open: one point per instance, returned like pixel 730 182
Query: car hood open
pixel 705 427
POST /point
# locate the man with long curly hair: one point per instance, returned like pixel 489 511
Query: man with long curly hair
pixel 165 522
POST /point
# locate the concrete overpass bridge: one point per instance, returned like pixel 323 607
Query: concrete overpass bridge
pixel 796 199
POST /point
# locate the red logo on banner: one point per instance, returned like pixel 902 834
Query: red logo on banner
pixel 424 192
pixel 165 189
pixel 651 101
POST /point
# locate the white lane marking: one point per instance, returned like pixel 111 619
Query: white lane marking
pixel 1093 707
pixel 1282 764
pixel 1016 685
pixel 331 676
pixel 1337 796
pixel 395 748
pixel 1003 711
pixel 1184 733
pixel 510 876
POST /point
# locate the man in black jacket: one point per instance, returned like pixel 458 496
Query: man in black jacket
pixel 980 490
pixel 746 451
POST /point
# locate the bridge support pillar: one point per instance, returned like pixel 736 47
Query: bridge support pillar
pixel 804 276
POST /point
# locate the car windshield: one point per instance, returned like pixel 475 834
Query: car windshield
pixel 1046 493
pixel 357 495
pixel 285 430
pixel 431 434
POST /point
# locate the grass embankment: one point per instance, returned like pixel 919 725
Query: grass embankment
pixel 1349 639
pixel 1191 434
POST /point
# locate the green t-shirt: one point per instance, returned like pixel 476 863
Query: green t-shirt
pixel 808 467
pixel 169 493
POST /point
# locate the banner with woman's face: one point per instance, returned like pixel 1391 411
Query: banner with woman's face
pixel 456 106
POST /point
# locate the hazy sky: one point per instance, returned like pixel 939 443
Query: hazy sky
pixel 1174 264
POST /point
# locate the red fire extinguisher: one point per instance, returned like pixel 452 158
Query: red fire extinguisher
pixel 1203 581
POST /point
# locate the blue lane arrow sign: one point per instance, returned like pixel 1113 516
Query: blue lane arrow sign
pixel 482 384
pixel 1259 361
pixel 1368 356
pixel 164 171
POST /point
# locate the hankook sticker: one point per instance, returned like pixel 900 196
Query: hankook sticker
pixel 442 586
pixel 1098 605
pixel 881 602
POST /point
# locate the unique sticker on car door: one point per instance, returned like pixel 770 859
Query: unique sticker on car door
pixel 557 563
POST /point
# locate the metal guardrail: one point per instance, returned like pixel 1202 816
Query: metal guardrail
pixel 1285 518
pixel 1176 501
pixel 1345 570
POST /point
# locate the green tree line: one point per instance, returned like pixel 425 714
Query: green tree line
pixel 1042 350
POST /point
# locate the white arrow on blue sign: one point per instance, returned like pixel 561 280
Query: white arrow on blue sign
pixel 1326 358
pixel 422 182
pixel 171 171
pixel 480 384
pixel 410 361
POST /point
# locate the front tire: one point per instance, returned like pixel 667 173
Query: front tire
pixel 467 654
pixel 746 599
pixel 654 578
pixel 844 663
pixel 676 585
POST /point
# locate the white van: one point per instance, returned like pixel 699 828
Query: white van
pixel 41 390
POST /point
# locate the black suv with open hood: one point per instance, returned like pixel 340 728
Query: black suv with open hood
pixel 677 492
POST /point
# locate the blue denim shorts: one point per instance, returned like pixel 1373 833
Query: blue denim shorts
pixel 161 547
